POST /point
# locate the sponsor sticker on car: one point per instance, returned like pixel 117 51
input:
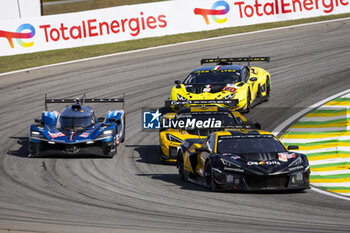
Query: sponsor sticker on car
pixel 263 163
pixel 84 135
pixel 56 135
pixel 283 157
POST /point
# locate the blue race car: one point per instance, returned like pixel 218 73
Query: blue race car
pixel 77 130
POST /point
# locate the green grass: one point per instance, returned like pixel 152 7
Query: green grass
pixel 17 62
pixel 53 0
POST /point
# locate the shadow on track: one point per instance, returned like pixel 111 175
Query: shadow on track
pixel 175 179
pixel 23 152
pixel 148 154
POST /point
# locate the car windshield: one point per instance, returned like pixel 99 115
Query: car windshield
pixel 75 122
pixel 213 77
pixel 249 144
pixel 225 118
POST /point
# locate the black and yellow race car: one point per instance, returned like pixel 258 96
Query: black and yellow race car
pixel 184 124
pixel 242 159
pixel 224 80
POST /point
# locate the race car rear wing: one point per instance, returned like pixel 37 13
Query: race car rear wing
pixel 83 101
pixel 234 59
pixel 230 103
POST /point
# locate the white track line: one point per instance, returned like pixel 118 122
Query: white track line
pixel 329 193
pixel 323 119
pixel 177 44
pixel 319 139
pixel 327 173
pixel 334 185
pixel 321 129
pixel 328 161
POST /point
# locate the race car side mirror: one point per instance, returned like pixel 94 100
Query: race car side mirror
pixel 253 79
pixel 202 149
pixel 111 120
pixel 178 83
pixel 39 121
pixel 251 125
pixel 293 147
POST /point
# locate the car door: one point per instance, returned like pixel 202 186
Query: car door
pixel 251 79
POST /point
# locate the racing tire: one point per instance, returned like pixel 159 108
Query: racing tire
pixel 248 103
pixel 123 137
pixel 108 149
pixel 109 154
pixel 258 95
pixel 165 110
pixel 209 178
pixel 300 190
pixel 268 89
pixel 180 165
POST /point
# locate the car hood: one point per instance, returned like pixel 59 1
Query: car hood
pixel 204 88
pixel 72 136
pixel 209 91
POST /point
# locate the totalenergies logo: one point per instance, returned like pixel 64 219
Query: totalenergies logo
pixel 218 8
pixel 19 34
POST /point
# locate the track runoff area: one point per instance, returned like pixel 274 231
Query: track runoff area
pixel 324 136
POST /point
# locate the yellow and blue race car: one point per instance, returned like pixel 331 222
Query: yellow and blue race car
pixel 246 85
pixel 185 124
pixel 242 159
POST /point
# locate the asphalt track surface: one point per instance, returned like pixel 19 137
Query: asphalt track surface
pixel 134 191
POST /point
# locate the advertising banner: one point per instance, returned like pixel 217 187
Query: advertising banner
pixel 151 20
pixel 15 9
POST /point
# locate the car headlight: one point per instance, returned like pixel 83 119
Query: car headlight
pixel 181 98
pixel 228 97
pixel 229 163
pixel 108 132
pixel 296 162
pixel 173 138
pixel 230 166
pixel 36 135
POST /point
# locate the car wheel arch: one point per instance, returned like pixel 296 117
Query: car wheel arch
pixel 179 153
pixel 207 161
pixel 210 183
